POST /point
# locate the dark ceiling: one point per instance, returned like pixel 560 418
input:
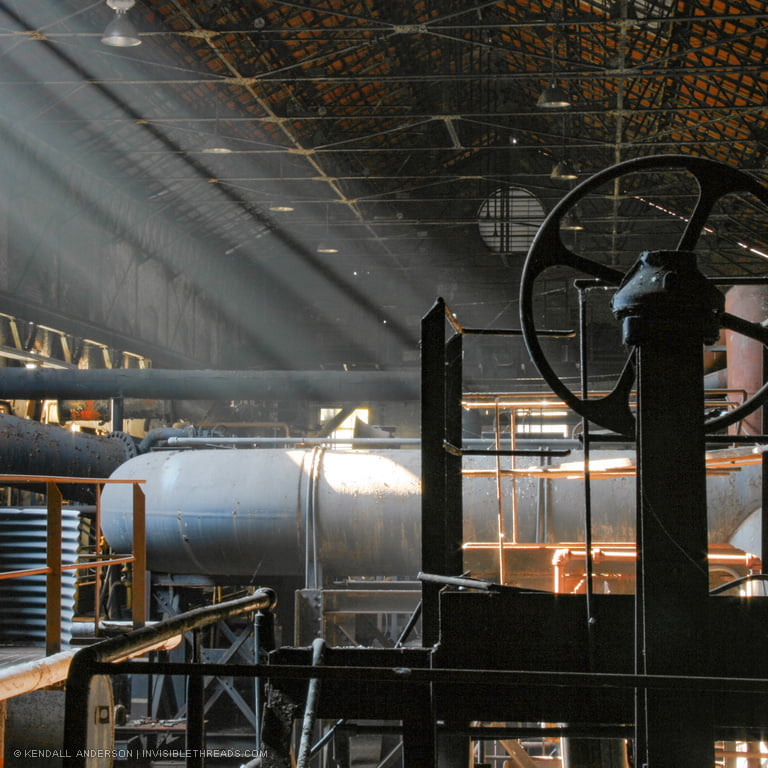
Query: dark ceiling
pixel 403 136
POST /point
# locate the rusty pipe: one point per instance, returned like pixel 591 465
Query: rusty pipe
pixel 28 447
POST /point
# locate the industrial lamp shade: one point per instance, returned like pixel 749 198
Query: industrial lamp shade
pixel 571 223
pixel 120 33
pixel 564 170
pixel 553 97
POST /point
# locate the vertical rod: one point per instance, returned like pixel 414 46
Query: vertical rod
pixel 195 742
pixel 764 514
pixel 584 372
pixel 263 642
pixel 432 463
pixel 258 691
pixel 53 579
pixel 139 607
pixel 76 718
pixel 454 513
pixel 310 708
pixel 764 487
pixel 513 478
pixel 419 732
pixel 117 411
pixel 500 529
pixel 97 569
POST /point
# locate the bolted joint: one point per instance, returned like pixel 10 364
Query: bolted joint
pixel 665 295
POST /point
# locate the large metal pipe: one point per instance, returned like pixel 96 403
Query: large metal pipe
pixel 147 383
pixel 350 513
pixel 28 447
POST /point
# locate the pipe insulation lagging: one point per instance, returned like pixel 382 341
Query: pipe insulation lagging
pixel 243 512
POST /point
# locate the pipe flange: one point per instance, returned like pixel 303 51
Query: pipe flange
pixel 129 443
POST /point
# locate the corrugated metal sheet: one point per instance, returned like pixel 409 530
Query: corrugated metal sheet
pixel 22 600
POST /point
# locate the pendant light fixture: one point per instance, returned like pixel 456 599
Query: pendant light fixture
pixel 215 145
pixel 564 169
pixel 120 32
pixel 553 96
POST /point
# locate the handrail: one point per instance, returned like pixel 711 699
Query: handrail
pixel 89 661
pixel 54 568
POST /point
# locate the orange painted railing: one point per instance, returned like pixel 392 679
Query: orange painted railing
pixel 54 567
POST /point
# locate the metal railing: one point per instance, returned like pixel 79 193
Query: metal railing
pixel 54 567
pixel 103 657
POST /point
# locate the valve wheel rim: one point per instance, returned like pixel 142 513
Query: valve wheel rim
pixel 612 411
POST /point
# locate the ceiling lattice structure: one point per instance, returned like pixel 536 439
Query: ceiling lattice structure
pixel 383 131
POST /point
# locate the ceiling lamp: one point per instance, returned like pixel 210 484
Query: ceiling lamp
pixel 571 223
pixel 120 33
pixel 325 248
pixel 216 148
pixel 553 97
pixel 214 144
pixel 564 170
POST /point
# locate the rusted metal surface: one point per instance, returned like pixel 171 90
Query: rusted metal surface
pixel 30 448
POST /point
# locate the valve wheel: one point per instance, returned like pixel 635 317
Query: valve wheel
pixel 612 411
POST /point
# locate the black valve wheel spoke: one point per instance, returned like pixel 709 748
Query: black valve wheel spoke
pixel 613 411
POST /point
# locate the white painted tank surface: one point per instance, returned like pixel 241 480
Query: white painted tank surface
pixel 248 512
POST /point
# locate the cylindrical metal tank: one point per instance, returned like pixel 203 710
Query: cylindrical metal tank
pixel 247 512
pixel 253 511
pixel 745 355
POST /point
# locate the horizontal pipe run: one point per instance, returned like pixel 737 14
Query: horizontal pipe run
pixel 362 442
pixel 138 640
pixel 458 581
pixel 95 383
pixel 298 441
pixel 455 450
pixel 494 733
pixel 51 670
pixel 446 676
pixel 70 567
pixel 35 674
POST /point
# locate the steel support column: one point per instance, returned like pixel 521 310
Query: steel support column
pixel 669 312
pixel 672 549
pixel 433 463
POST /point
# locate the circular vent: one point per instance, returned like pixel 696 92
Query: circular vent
pixel 508 220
